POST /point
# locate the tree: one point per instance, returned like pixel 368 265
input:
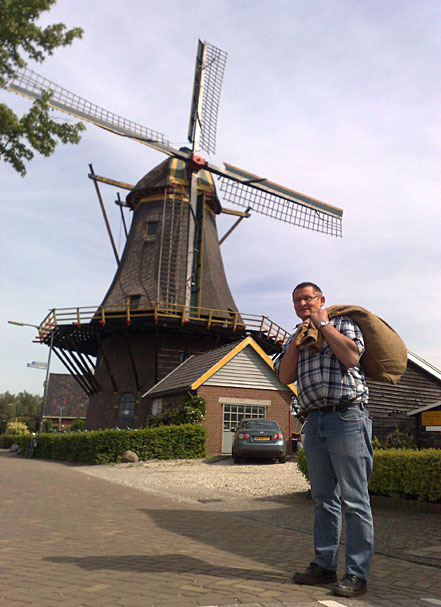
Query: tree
pixel 22 39
pixel 17 428
pixel 23 406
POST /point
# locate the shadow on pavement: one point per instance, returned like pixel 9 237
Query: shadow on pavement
pixel 165 563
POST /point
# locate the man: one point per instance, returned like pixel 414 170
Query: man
pixel 333 395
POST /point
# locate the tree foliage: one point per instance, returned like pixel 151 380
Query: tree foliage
pixel 24 407
pixel 191 411
pixel 17 428
pixel 21 39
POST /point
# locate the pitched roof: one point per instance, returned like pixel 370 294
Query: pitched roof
pixel 64 396
pixel 197 369
pixel 425 408
pixel 423 364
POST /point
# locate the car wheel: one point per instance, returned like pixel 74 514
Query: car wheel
pixel 236 458
pixel 282 460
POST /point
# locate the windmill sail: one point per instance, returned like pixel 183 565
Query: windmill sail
pixel 247 190
pixel 208 77
pixel 236 185
pixel 28 83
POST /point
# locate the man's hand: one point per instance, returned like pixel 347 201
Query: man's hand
pixel 318 317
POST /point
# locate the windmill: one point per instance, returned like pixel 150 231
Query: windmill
pixel 169 297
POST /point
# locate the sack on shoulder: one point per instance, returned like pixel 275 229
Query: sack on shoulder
pixel 385 357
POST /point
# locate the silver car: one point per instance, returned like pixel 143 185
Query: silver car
pixel 259 438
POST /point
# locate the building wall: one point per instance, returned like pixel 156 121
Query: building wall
pixel 154 354
pixel 278 408
pixel 426 438
pixel 246 370
pixel 389 404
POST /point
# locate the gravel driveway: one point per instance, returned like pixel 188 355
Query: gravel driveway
pixel 209 479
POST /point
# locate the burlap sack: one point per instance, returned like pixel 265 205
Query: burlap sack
pixel 385 357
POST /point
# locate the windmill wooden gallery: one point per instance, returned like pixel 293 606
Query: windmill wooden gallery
pixel 169 298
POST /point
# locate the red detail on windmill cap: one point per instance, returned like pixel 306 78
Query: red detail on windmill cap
pixel 197 163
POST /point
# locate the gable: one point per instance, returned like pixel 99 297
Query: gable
pixel 246 370
pixel 64 396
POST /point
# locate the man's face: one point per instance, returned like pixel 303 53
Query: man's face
pixel 307 302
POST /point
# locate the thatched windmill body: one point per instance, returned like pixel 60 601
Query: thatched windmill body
pixel 169 297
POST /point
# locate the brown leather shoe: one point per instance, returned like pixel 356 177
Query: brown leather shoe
pixel 315 574
pixel 350 585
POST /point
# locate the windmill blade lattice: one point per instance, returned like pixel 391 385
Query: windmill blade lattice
pixel 236 185
pixel 30 84
pixel 272 205
pixel 248 190
pixel 210 67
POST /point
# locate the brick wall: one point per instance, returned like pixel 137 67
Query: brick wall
pixel 279 409
pixel 154 355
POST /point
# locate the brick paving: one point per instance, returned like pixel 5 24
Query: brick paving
pixel 75 540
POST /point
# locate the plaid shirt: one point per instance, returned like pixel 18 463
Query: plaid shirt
pixel 322 380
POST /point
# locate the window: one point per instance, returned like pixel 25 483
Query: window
pixel 151 229
pixel 234 413
pixel 157 406
pixel 134 300
pixel 127 405
pixel 184 355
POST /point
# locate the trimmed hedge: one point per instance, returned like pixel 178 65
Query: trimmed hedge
pixel 107 446
pixel 401 473
pixel 407 473
pixel 7 440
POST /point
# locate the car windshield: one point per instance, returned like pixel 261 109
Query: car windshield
pixel 263 424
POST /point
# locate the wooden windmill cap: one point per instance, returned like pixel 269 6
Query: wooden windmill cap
pixel 173 171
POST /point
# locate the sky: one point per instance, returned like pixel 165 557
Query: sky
pixel 338 99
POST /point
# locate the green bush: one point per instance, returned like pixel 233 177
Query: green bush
pixel 400 473
pixel 397 439
pixel 78 424
pixel 408 474
pixel 47 425
pixel 17 427
pixel 7 440
pixel 191 411
pixel 107 446
pixel 301 463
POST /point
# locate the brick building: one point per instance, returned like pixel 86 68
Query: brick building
pixel 64 401
pixel 236 380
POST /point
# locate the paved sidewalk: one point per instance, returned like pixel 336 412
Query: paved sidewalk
pixel 75 540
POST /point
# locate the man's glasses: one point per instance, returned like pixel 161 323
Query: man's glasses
pixel 306 299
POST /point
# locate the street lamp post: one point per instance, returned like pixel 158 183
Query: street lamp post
pixel 60 415
pixel 45 385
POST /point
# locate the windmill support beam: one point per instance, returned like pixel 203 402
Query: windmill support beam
pixel 227 211
pixel 114 182
pixel 82 368
pixel 106 221
pixel 109 371
pixel 191 237
pixel 88 389
pixel 132 362
pixel 88 369
pixel 235 224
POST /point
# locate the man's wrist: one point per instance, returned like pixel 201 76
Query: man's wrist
pixel 323 323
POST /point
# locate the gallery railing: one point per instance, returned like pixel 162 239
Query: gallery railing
pixel 208 317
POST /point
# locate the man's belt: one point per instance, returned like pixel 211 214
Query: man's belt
pixel 339 407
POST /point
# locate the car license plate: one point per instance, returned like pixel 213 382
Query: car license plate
pixel 261 438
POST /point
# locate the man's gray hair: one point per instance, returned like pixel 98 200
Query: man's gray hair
pixel 302 285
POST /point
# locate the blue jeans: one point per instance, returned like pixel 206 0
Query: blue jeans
pixel 339 456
